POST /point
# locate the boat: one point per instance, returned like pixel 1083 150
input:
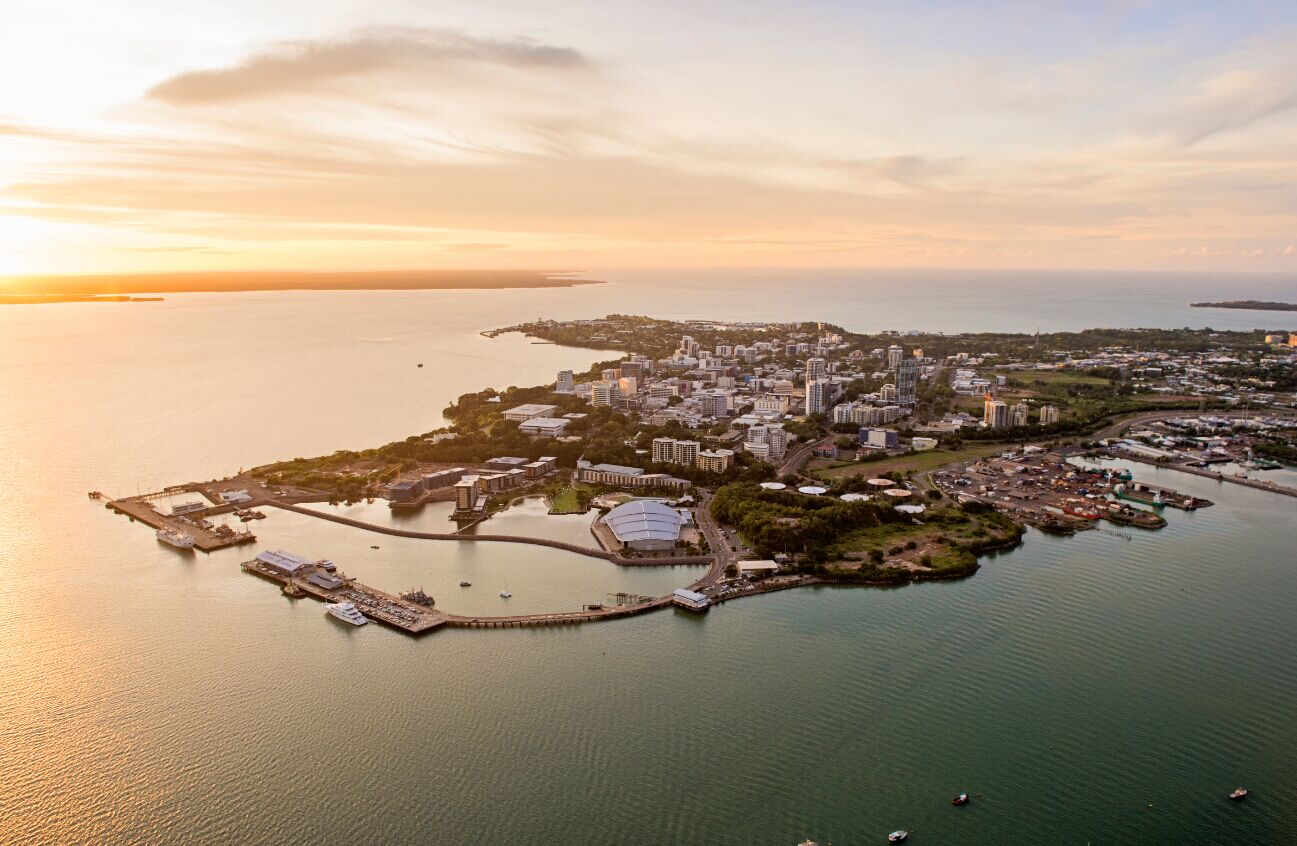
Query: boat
pixel 176 538
pixel 421 364
pixel 293 589
pixel 418 597
pixel 1238 794
pixel 898 836
pixel 375 546
pixel 961 799
pixel 504 594
pixel 465 584
pixel 346 612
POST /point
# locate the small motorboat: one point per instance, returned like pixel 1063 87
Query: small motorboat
pixel 1238 795
pixel 898 836
pixel 961 799
pixel 465 584
pixel 421 364
pixel 504 594
pixel 374 546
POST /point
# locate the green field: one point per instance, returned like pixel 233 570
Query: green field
pixel 1052 379
pixel 917 462
pixel 567 500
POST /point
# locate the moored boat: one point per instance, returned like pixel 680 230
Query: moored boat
pixel 176 538
pixel 346 612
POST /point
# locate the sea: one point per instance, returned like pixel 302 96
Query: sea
pixel 1107 688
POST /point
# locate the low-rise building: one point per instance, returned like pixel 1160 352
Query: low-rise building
pixel 548 427
pixel 525 412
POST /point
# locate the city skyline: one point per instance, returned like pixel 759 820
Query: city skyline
pixel 1134 135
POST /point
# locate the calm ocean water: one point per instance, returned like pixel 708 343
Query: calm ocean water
pixel 1093 689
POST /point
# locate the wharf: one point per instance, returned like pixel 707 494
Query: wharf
pixel 1257 484
pixel 207 540
pixel 373 603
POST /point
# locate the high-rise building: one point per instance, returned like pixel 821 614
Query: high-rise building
pixel 894 355
pixel 601 393
pixel 566 383
pixel 689 347
pixel 819 396
pixel 814 369
pixel 628 386
pixel 715 461
pixel 879 438
pixel 1048 414
pixel 907 382
pixel 887 393
pixel 672 451
pixel 1292 339
pixel 713 403
pixel 1019 415
pixel 995 414
pixel 772 438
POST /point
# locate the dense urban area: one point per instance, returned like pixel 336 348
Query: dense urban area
pixel 784 454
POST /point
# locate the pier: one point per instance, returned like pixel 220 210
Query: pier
pixel 375 604
pixel 139 509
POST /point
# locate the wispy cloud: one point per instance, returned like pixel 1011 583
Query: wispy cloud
pixel 304 66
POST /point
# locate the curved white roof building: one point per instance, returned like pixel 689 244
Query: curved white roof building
pixel 645 524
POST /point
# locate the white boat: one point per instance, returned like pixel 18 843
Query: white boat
pixel 176 538
pixel 346 612
pixel 504 594
pixel 898 836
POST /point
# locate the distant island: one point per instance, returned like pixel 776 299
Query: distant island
pixel 38 287
pixel 1253 305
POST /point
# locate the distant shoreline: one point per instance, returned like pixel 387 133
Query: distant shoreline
pixel 42 299
pixel 76 288
pixel 1251 305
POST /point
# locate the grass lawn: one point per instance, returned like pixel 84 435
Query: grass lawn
pixel 566 501
pixel 916 462
pixel 1052 379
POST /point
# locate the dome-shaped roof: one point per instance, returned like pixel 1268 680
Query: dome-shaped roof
pixel 644 519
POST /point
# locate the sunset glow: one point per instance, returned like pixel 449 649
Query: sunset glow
pixel 136 137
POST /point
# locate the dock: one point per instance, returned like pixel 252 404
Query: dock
pixel 139 509
pixel 375 604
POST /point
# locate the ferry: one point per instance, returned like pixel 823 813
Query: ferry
pixel 346 612
pixel 1238 794
pixel 898 836
pixel 176 538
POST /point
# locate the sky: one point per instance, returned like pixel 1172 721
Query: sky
pixel 151 136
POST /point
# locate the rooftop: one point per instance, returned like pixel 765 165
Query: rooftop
pixel 643 519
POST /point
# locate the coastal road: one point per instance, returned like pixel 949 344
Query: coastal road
pixel 722 553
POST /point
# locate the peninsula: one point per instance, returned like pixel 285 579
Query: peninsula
pixel 788 454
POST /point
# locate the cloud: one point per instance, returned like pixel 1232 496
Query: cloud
pixel 303 66
pixel 1238 98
